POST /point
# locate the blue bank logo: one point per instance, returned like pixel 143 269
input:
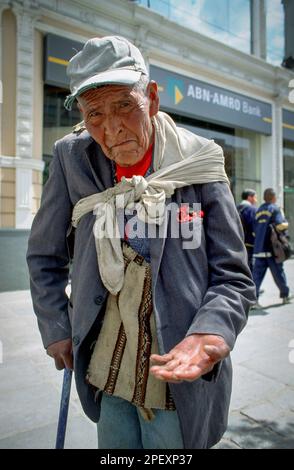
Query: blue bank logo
pixel 175 89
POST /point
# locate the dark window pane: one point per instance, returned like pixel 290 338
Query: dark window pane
pixel 57 121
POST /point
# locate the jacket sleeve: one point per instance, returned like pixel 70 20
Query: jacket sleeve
pixel 279 220
pixel 48 256
pixel 231 291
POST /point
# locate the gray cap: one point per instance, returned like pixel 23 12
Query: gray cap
pixel 104 61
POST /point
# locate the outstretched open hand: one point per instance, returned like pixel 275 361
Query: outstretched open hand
pixel 193 357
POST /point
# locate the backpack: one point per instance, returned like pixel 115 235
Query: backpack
pixel 281 248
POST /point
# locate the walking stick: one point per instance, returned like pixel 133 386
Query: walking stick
pixel 63 411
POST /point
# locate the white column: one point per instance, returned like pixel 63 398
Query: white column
pixel 258 28
pixel 24 168
pixel 278 149
pixel 268 162
pixel 4 4
pixel 272 154
pixel 26 15
pixel 23 198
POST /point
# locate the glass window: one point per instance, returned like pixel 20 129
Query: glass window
pixel 289 165
pixel 275 35
pixel 247 170
pixel 57 121
pixel 241 150
pixel 227 21
pixel 289 186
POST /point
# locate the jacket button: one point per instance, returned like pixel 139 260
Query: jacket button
pixel 99 299
pixel 76 340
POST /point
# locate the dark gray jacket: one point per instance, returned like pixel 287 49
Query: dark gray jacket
pixel 203 290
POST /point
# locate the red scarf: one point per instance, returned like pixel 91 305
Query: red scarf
pixel 139 168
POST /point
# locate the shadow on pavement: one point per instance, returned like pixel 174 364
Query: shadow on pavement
pixel 263 435
pixel 263 310
pixel 274 305
pixel 258 312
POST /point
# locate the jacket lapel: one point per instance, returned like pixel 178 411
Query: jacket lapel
pixel 157 246
pixel 99 165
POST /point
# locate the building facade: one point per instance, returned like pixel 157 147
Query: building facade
pixel 214 87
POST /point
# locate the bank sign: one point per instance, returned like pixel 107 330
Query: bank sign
pixel 193 98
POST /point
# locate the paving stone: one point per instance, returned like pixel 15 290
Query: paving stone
pixel 24 347
pixel 80 434
pixel 16 374
pixel 284 399
pixel 270 415
pixel 251 435
pixel 274 365
pixel 251 387
pixel 27 408
pixel 256 341
pixel 275 317
pixel 15 296
pixel 226 444
pixel 6 312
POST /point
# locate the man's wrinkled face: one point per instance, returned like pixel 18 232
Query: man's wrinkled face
pixel 118 117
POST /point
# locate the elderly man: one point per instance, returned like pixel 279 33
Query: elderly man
pixel 158 294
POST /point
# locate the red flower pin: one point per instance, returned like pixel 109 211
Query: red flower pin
pixel 185 214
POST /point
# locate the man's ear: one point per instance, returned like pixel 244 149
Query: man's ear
pixel 152 93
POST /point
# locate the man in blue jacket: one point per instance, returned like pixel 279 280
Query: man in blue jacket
pixel 151 318
pixel 247 211
pixel 269 213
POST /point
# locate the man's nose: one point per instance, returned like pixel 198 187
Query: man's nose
pixel 112 124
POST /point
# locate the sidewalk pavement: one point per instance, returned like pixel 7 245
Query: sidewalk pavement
pixel 262 407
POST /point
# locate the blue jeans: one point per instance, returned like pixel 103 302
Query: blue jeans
pixel 259 269
pixel 121 426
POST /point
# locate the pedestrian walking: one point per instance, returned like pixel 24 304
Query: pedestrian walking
pixel 269 213
pixel 247 211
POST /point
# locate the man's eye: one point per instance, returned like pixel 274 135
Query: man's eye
pixel 94 114
pixel 124 104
